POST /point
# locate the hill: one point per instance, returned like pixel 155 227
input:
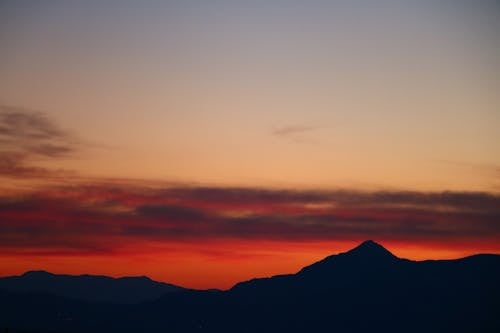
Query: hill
pixel 92 288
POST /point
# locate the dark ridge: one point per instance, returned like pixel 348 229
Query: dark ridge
pixel 93 288
pixel 37 273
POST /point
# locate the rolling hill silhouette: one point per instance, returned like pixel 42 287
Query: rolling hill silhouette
pixel 125 290
pixel 365 289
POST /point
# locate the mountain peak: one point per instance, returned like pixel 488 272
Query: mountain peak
pixel 366 254
pixel 369 244
pixel 370 249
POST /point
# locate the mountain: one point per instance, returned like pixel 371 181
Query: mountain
pixel 92 288
pixel 365 289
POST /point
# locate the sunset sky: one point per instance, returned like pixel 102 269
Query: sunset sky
pixel 206 142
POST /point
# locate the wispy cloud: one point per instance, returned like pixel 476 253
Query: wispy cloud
pixel 27 135
pixel 292 130
pixel 489 171
pixel 13 164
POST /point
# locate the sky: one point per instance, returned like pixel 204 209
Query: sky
pixel 207 142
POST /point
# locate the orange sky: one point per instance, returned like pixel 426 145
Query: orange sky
pixel 220 264
pixel 399 96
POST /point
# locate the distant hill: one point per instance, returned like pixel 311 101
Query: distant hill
pixel 367 289
pixel 92 288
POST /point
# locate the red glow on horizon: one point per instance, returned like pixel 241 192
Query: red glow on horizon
pixel 216 237
pixel 218 264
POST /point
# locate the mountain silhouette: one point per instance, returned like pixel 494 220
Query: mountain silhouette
pixel 368 257
pixel 368 261
pixel 93 288
pixel 364 289
pixel 369 250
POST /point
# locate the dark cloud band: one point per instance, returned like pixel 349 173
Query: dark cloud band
pixel 102 218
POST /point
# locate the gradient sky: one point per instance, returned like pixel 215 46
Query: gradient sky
pixel 206 142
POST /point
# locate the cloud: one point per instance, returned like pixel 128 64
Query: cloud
pixel 170 212
pixel 13 165
pixel 292 130
pixel 33 132
pixel 298 134
pixel 488 171
pixel 102 218
pixel 345 198
pixel 235 195
pixel 26 136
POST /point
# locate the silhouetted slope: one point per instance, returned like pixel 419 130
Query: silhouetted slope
pixel 365 289
pixel 368 261
pixel 368 288
pixel 89 287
